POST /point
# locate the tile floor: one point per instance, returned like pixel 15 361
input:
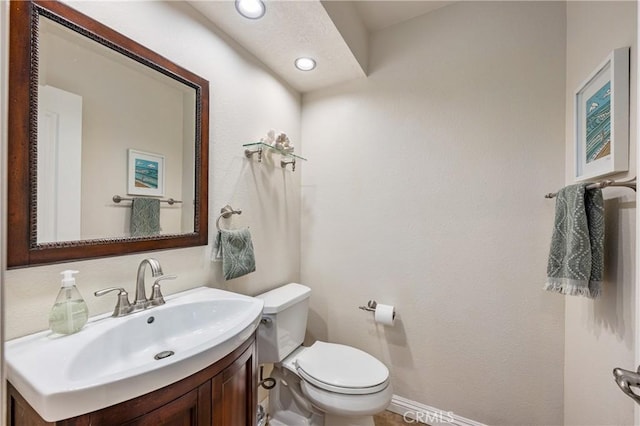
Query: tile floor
pixel 387 418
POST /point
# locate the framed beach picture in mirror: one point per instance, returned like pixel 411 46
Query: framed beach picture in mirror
pixel 602 119
pixel 145 173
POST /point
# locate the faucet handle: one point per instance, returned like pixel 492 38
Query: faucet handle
pixel 123 307
pixel 156 294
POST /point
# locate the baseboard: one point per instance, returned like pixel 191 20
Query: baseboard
pixel 417 413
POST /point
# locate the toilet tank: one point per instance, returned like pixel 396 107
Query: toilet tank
pixel 284 321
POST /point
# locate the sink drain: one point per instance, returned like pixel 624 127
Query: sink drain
pixel 164 354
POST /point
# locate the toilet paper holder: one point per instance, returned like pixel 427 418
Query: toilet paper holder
pixel 371 306
pixel 380 317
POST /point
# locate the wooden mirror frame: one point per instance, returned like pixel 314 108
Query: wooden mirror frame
pixel 22 247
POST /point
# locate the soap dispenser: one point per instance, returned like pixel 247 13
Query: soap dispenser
pixel 70 313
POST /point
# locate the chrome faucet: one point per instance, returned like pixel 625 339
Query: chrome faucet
pixel 141 301
pixel 123 307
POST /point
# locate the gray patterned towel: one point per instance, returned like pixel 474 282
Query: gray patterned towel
pixel 576 257
pixel 145 217
pixel 235 248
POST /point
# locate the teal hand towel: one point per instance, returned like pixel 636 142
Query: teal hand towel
pixel 235 248
pixel 145 217
pixel 576 257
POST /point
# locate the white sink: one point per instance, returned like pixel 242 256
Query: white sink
pixel 112 359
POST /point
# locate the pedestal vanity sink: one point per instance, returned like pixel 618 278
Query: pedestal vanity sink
pixel 172 360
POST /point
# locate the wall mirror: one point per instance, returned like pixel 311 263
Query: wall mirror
pixel 108 142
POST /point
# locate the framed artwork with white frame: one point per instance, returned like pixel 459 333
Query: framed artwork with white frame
pixel 145 173
pixel 602 119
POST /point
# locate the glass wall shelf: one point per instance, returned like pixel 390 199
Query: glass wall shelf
pixel 259 147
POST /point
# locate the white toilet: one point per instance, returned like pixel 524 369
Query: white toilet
pixel 323 384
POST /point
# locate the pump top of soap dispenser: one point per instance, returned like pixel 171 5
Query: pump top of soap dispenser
pixel 68 279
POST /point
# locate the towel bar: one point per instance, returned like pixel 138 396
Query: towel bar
pixel 603 184
pixel 226 213
pixel 116 199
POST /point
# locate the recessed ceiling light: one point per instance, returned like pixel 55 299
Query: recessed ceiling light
pixel 305 64
pixel 252 9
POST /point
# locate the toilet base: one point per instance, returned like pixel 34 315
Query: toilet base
pixel 331 420
pixel 287 406
pixel 288 418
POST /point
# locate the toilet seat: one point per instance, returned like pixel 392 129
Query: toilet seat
pixel 341 369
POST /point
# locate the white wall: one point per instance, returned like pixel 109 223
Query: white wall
pixel 246 100
pixel 600 333
pixel 425 190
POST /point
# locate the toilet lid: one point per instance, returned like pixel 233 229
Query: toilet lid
pixel 342 369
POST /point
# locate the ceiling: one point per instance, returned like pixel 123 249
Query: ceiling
pixel 334 33
pixel 377 15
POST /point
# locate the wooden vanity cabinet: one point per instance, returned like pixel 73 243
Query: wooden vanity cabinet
pixel 223 394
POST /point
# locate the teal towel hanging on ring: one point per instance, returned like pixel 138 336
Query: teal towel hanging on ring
pixel 235 248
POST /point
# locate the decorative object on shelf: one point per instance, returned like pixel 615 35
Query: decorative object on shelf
pixel 270 139
pixel 288 157
pixel 145 173
pixel 283 143
pixel 280 142
pixel 602 119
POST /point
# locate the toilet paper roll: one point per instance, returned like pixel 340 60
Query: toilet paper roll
pixel 385 314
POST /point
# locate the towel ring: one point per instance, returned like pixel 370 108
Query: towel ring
pixel 226 213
